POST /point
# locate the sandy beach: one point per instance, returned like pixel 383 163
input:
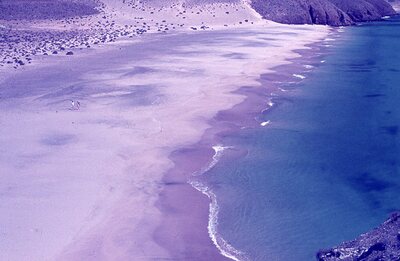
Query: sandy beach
pixel 104 181
pixel 84 184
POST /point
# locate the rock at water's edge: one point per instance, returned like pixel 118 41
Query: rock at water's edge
pixel 383 243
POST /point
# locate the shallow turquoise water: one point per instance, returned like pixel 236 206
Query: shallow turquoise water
pixel 327 167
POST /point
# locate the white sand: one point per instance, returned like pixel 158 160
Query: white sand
pixel 155 17
pixel 120 19
pixel 81 185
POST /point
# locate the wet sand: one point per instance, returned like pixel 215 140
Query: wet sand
pixel 108 176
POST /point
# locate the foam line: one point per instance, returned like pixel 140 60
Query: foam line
pixel 224 247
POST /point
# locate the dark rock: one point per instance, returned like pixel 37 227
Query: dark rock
pixel 301 12
pixel 366 10
pixel 330 12
pixel 383 243
pixel 374 248
pixel 69 53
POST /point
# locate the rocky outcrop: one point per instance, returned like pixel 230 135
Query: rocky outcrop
pixel 330 12
pixel 383 243
pixel 301 12
pixel 366 10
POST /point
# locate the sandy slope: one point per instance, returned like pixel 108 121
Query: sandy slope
pixel 81 184
pixel 23 40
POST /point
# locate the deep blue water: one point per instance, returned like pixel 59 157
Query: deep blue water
pixel 327 168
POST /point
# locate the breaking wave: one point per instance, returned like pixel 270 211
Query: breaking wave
pixel 218 151
pixel 223 246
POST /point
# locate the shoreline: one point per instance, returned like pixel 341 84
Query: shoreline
pixel 209 150
pixel 122 137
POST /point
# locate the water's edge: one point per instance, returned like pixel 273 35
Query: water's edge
pixel 192 162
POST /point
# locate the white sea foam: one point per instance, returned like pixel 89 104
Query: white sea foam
pixel 300 76
pixel 265 123
pixel 110 94
pixel 323 61
pixel 308 66
pixel 287 82
pixel 218 151
pixel 282 90
pixel 330 39
pixel 223 246
pixel 386 17
pixel 270 104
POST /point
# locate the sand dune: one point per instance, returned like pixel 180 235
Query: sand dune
pixel 49 33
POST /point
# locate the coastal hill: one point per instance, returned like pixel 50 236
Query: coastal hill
pixel 326 12
pixel 330 12
pixel 54 27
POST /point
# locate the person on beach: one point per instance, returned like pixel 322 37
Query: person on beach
pixel 75 105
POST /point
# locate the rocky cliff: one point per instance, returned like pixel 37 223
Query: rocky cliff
pixel 330 12
pixel 383 243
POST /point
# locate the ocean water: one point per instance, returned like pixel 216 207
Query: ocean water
pixel 326 167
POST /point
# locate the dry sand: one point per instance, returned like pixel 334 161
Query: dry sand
pixel 22 41
pixel 82 184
